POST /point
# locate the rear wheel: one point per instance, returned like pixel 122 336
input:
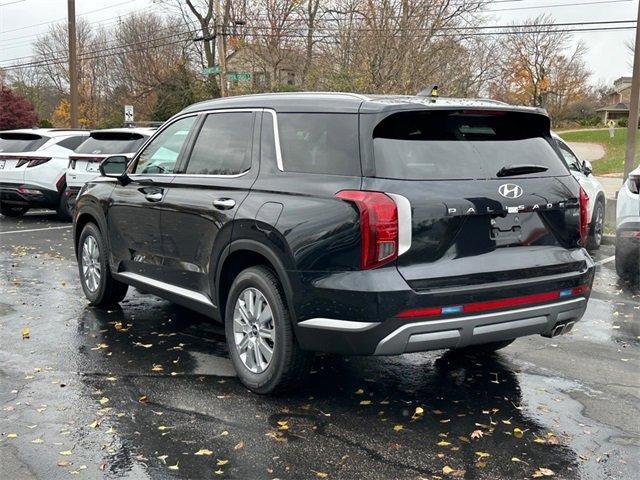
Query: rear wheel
pixel 596 228
pixel 485 348
pixel 64 210
pixel 98 285
pixel 627 260
pixel 12 211
pixel 262 345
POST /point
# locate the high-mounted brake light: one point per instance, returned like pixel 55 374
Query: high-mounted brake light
pixel 379 231
pixel 584 216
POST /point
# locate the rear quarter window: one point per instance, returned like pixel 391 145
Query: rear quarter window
pixel 324 143
pixel 458 144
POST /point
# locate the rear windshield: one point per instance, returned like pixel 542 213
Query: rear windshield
pixel 111 143
pixel 21 142
pixel 437 145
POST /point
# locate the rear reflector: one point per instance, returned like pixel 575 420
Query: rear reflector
pixel 495 304
pixel 378 226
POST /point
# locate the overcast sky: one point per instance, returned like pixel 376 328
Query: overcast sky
pixel 607 58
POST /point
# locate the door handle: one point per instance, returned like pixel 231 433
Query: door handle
pixel 154 197
pixel 224 203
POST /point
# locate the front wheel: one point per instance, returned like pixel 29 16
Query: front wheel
pixel 100 288
pixel 12 211
pixel 262 345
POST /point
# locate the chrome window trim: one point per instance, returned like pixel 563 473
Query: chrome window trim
pixel 276 136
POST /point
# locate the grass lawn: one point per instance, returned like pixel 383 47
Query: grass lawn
pixel 613 160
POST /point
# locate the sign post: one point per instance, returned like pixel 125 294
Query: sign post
pixel 128 114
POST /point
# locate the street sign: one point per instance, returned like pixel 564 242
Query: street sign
pixel 211 70
pixel 239 77
pixel 128 113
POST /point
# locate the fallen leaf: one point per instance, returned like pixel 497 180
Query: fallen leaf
pixel 157 368
pixel 204 451
pixel 482 454
pixel 443 443
pixel 143 345
pixel 359 391
pixel 174 467
pixel 94 424
pixel 163 458
pixel 37 440
pixel 419 411
pixel 477 434
pixel 103 400
pixel 12 435
pixel 518 433
pixel 143 399
pixel 66 453
pixel 239 445
pixel 365 402
pixel 397 428
pixel 221 462
pixel 26 333
pixel 543 472
pixel 321 474
pixel 447 469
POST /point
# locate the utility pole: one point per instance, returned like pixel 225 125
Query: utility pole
pixel 73 65
pixel 222 51
pixel 632 126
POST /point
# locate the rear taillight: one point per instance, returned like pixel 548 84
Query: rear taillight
pixel 379 229
pixel 32 161
pixel 633 183
pixel 584 216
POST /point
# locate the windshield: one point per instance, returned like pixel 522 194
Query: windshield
pixel 21 142
pixel 111 144
pixel 438 145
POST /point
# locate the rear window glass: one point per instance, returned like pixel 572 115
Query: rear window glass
pixel 319 143
pixel 462 145
pixel 112 143
pixel 72 143
pixel 21 142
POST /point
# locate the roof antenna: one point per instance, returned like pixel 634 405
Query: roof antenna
pixel 431 91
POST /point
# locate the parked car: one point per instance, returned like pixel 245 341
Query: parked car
pixel 368 225
pixel 628 228
pixel 84 162
pixel 582 171
pixel 32 167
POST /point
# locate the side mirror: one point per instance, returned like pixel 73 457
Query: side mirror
pixel 587 169
pixel 115 167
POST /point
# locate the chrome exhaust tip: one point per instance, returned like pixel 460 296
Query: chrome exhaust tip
pixel 568 327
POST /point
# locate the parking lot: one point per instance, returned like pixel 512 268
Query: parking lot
pixel 147 391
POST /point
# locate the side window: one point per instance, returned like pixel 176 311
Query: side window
pixel 161 154
pixel 319 143
pixel 72 143
pixel 223 146
pixel 569 157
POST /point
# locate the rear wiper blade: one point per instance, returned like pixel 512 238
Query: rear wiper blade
pixel 510 170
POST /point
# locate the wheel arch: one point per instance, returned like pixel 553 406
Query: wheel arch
pixel 87 215
pixel 242 254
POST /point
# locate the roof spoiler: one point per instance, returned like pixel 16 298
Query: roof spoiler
pixel 430 92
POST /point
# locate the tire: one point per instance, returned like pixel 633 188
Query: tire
pixel 12 211
pixel 288 364
pixel 484 348
pixel 596 228
pixel 64 210
pixel 627 260
pixel 102 290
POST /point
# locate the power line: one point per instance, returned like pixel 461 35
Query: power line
pixel 510 9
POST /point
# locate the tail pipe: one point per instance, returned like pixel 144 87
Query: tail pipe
pixel 561 328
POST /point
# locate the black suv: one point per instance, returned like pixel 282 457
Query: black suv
pixel 367 225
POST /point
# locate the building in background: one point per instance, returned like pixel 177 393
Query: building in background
pixel 618 100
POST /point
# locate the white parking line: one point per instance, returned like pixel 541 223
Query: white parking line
pixel 35 229
pixel 606 260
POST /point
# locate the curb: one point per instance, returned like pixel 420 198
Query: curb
pixel 608 240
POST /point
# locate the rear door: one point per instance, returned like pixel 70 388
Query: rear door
pixel 133 213
pixel 477 215
pixel 205 195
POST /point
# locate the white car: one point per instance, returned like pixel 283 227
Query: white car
pixel 85 161
pixel 581 170
pixel 33 163
pixel 628 228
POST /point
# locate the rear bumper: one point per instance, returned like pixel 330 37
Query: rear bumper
pixel 394 337
pixel 376 312
pixel 28 195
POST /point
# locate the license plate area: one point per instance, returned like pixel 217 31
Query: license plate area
pixel 2 163
pixel 92 166
pixel 506 230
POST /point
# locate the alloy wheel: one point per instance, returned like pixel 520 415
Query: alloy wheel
pixel 91 269
pixel 254 330
pixel 599 224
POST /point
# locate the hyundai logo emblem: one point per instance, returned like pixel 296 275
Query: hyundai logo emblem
pixel 510 190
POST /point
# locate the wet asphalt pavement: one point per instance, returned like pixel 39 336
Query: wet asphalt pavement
pixel 147 391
